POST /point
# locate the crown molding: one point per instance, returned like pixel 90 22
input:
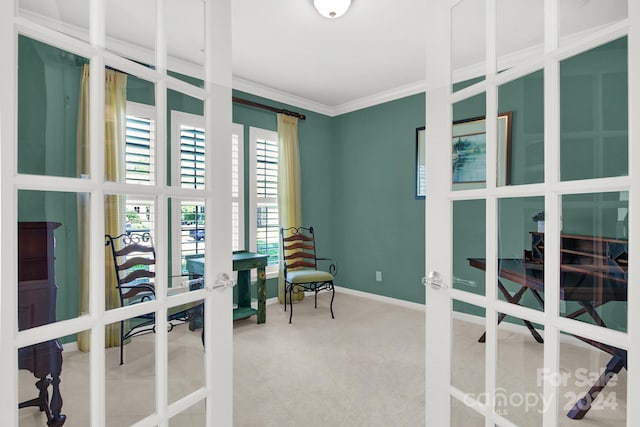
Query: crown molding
pixel 328 110
pixel 141 54
pixel 380 98
pixel 263 91
pixel 138 53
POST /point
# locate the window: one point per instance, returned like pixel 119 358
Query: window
pixel 191 156
pixel 139 144
pixel 139 163
pixel 190 172
pixel 264 220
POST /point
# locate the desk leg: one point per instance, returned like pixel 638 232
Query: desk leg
pixel 514 299
pixel 583 405
pixel 244 288
pixel 262 295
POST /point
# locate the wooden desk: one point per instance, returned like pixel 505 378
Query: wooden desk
pixel 593 271
pixel 243 263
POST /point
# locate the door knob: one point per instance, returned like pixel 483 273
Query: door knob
pixel 435 280
pixel 222 281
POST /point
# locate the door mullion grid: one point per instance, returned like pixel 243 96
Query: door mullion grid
pixel 162 224
pixel 97 357
pixel 633 297
pixel 491 108
pixel 96 188
pixel 551 335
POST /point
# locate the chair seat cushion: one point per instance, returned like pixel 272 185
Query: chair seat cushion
pixel 308 276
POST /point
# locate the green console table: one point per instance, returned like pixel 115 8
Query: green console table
pixel 243 263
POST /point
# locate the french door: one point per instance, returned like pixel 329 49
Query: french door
pixel 79 163
pixel 530 154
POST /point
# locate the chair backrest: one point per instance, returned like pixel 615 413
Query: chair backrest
pixel 134 259
pixel 298 248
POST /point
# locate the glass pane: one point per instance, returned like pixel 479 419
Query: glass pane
pixel 124 30
pixel 583 365
pixel 189 237
pixel 52 257
pixel 130 379
pixel 129 129
pixel 186 350
pixel 575 17
pixel 520 31
pixel 140 131
pixel 520 261
pixel 522 160
pixel 195 416
pixel 62 371
pixel 129 250
pixel 464 416
pixel 468 147
pixel 593 113
pixel 468 350
pixel 594 258
pixel 186 121
pixel 519 394
pixel 70 17
pixel 469 242
pixel 49 87
pixel 185 34
pixel 468 42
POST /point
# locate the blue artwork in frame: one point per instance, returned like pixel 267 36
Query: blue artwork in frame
pixel 469 154
pixel 469 158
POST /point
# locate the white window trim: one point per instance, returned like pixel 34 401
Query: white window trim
pixel 255 134
pixel 238 130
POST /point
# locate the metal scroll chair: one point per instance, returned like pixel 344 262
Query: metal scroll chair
pixel 301 266
pixel 134 259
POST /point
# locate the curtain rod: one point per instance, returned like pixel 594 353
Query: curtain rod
pixel 249 103
pixel 268 108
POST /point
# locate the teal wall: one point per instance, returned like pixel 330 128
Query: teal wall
pixel 358 169
pixel 49 87
pixel 377 222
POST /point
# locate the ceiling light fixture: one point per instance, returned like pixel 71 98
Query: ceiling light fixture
pixel 332 8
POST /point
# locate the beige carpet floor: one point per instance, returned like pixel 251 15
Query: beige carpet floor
pixel 363 368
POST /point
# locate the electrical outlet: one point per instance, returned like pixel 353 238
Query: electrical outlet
pixel 378 276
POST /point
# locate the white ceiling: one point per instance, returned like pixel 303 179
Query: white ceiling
pixel 285 50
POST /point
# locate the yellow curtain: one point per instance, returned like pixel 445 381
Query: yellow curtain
pixel 289 195
pixel 82 164
pixel 114 141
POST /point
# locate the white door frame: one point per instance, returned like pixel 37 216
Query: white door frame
pixel 217 393
pixel 439 101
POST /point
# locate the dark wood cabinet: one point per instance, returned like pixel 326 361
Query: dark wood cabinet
pixel 37 293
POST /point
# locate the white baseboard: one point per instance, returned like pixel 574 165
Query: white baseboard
pixel 381 298
pixel 361 294
pixel 70 346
